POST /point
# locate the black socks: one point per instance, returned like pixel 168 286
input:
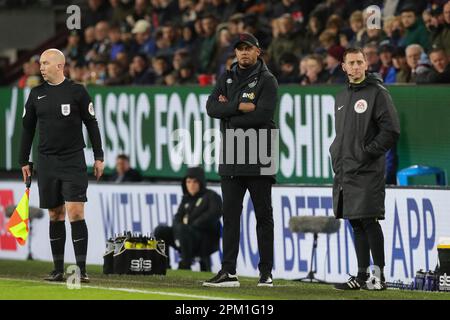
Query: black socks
pixel 80 243
pixel 368 239
pixel 57 243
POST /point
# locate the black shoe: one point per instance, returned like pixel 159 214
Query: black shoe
pixel 375 284
pixel 265 280
pixel 223 279
pixel 84 278
pixel 55 276
pixel 353 283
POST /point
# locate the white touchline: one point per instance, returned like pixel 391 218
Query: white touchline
pixel 175 294
pixel 163 293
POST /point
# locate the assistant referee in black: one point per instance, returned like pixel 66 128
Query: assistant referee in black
pixel 60 106
pixel 367 126
pixel 245 99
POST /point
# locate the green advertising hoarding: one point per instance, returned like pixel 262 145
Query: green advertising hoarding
pixel 145 123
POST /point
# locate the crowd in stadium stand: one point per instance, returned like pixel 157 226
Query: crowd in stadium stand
pixel 188 42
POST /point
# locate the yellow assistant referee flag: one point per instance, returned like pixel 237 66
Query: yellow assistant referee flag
pixel 18 224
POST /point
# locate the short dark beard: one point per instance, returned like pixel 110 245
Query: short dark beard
pixel 247 65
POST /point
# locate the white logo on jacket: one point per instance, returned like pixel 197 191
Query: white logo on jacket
pixel 361 106
pixel 65 109
pixel 252 84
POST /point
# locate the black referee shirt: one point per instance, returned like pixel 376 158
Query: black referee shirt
pixel 60 111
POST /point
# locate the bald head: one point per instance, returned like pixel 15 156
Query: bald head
pixel 52 66
pixel 54 55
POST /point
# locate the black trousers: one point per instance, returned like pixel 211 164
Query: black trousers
pixel 233 191
pixel 368 239
pixel 189 240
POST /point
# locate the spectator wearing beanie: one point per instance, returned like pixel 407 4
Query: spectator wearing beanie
pixel 387 70
pixel 403 71
pixel 288 72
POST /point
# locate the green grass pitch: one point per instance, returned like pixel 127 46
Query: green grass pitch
pixel 23 280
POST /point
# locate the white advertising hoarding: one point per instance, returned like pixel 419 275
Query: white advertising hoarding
pixel 415 219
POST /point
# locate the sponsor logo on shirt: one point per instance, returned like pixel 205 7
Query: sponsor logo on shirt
pixel 250 96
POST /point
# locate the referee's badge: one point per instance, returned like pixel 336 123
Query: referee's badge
pixel 91 109
pixel 361 106
pixel 65 109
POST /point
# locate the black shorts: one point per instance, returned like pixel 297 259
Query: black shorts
pixel 61 178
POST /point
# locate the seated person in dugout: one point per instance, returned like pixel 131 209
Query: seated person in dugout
pixel 196 228
pixel 124 172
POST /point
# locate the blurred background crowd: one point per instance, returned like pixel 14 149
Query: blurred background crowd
pixel 189 42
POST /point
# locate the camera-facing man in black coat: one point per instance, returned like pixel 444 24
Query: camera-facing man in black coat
pixel 245 99
pixel 367 126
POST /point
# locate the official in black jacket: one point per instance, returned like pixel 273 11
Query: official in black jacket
pixel 245 99
pixel 196 226
pixel 367 126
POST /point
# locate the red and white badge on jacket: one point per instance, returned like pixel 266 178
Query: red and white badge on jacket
pixel 361 106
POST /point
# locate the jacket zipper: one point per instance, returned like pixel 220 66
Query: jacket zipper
pixel 342 144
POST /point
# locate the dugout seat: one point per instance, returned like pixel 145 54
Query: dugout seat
pixel 417 170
